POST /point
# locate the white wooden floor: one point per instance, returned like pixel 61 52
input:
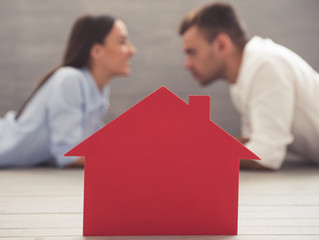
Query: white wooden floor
pixel 46 203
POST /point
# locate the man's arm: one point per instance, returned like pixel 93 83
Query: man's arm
pixel 269 108
pixel 249 164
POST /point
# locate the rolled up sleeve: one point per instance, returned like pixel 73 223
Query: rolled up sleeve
pixel 271 109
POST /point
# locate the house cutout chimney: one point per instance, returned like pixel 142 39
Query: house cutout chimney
pixel 200 105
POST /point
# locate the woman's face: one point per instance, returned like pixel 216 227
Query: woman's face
pixel 117 51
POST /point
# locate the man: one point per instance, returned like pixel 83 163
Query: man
pixel 275 91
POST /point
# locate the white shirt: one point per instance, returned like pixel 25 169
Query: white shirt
pixel 68 108
pixel 277 94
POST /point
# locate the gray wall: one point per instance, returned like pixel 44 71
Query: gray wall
pixel 33 35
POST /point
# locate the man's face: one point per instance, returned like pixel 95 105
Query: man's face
pixel 202 58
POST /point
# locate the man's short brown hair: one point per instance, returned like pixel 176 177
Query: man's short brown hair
pixel 214 19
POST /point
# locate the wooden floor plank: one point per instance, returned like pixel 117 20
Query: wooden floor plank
pixel 278 212
pixel 68 236
pixel 43 204
pixel 42 232
pixel 40 221
pixel 46 204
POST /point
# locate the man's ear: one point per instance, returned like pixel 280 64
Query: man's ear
pixel 223 43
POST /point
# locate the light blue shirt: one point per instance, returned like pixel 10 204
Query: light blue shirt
pixel 68 108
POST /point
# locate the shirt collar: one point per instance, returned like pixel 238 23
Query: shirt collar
pixel 97 98
pixel 243 66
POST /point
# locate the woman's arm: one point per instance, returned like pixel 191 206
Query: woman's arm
pixel 77 164
pixel 66 116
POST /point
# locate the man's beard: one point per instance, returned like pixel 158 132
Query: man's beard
pixel 209 81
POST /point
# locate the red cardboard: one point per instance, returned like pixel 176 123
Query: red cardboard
pixel 161 168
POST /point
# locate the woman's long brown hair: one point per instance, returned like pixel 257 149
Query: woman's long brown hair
pixel 86 31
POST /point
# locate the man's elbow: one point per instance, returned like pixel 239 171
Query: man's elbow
pixel 253 165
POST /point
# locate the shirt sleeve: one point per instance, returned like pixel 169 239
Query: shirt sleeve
pixel 65 117
pixel 270 108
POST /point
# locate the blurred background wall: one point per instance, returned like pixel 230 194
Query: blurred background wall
pixel 33 35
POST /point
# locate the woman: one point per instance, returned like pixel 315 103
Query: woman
pixel 69 103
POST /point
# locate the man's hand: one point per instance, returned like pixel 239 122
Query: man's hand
pixel 242 139
pixel 249 164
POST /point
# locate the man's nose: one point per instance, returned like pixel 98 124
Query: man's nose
pixel 187 64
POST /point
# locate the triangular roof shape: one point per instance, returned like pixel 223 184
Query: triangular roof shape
pixel 166 106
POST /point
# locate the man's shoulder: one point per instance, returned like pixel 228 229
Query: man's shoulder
pixel 265 49
pixel 260 47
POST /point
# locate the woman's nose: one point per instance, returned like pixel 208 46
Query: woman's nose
pixel 133 49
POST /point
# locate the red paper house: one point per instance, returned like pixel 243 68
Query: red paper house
pixel 161 168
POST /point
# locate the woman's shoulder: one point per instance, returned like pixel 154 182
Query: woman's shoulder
pixel 67 77
pixel 67 83
pixel 68 72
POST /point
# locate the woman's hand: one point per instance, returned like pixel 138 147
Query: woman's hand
pixel 77 164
